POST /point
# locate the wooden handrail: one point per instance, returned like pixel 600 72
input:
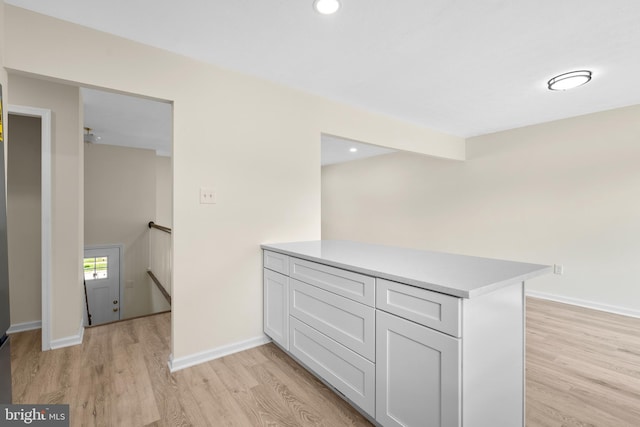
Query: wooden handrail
pixel 160 287
pixel 86 301
pixel 159 227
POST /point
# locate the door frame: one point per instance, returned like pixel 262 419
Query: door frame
pixel 45 194
pixel 120 248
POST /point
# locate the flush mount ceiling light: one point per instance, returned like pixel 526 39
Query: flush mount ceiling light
pixel 326 7
pixel 569 80
pixel 89 137
pixel 353 150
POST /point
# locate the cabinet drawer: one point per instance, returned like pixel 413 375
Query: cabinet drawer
pixel 276 262
pixel 351 374
pixel 350 323
pixel 355 286
pixel 438 311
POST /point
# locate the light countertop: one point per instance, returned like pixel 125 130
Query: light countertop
pixel 458 275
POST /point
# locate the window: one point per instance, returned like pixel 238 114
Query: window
pixel 96 268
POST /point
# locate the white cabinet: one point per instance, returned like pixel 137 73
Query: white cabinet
pixel 417 375
pixel 345 321
pixel 276 307
pixel 349 373
pixel 438 311
pixel 276 262
pixel 355 286
pixel 403 354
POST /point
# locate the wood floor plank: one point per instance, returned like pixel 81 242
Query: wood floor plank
pixel 133 387
pixel 583 369
pixel 258 411
pixel 323 396
pixel 298 403
pixel 216 404
pixel 25 348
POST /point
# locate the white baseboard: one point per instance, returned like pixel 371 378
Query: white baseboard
pixel 215 353
pixel 23 327
pixel 584 303
pixel 70 340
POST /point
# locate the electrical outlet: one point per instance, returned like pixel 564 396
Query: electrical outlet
pixel 558 269
pixel 207 196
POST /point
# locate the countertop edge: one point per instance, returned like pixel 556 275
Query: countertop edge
pixel 460 293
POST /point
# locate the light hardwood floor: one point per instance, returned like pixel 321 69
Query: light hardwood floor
pixel 119 377
pixel 583 369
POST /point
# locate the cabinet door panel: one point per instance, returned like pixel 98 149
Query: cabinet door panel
pixel 351 374
pixel 417 375
pixel 276 307
pixel 350 323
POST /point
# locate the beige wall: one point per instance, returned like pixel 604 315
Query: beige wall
pixel 66 187
pixel 164 193
pixel 160 263
pixel 24 219
pixel 3 72
pixel 160 260
pixel 565 192
pixel 4 115
pixel 119 202
pixel 255 142
pixel 3 79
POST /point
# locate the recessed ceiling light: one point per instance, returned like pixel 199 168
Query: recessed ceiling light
pixel 326 7
pixel 353 149
pixel 569 80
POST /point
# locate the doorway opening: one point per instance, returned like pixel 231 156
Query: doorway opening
pixel 339 205
pixel 29 218
pixel 61 167
pixel 127 185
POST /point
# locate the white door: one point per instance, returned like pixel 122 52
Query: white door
pixel 102 278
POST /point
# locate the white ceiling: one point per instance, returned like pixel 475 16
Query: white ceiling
pixel 466 67
pixel 338 150
pixel 128 121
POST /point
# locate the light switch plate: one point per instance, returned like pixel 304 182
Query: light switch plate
pixel 207 196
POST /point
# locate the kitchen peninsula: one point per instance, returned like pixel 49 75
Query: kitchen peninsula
pixel 409 337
